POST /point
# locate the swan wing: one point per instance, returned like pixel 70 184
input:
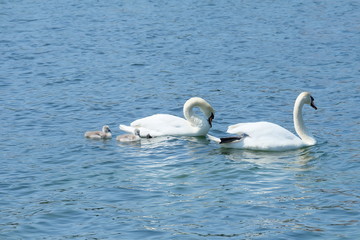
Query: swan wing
pixel 256 129
pixel 162 125
pixel 265 136
pixel 159 121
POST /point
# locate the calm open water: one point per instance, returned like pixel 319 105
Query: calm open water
pixel 71 66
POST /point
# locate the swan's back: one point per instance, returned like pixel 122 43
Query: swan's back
pixel 164 124
pixel 158 121
pixel 265 136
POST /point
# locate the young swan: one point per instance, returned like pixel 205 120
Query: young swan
pixel 193 125
pixel 269 136
pixel 129 137
pixel 104 134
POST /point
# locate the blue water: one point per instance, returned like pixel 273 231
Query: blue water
pixel 71 66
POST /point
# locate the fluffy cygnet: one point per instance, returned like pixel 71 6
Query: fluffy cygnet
pixel 104 134
pixel 129 137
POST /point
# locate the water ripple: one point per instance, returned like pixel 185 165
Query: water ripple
pixel 69 67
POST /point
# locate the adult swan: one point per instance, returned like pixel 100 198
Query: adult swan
pixel 169 125
pixel 269 136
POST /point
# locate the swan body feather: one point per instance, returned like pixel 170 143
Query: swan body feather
pixel 264 136
pixel 269 136
pixel 170 125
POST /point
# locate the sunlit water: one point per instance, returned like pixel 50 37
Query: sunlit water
pixel 72 66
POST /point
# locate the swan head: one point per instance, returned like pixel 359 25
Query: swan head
pixel 306 98
pixel 204 106
pixel 137 132
pixel 106 129
pixel 300 128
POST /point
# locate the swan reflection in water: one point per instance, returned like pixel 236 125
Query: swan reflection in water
pixel 298 160
pixel 150 143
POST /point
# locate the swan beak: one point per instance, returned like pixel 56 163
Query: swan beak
pixel 211 119
pixel 312 103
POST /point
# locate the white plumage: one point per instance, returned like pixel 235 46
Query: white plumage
pixel 269 136
pixel 170 125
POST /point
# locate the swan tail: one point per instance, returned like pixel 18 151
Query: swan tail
pixel 126 128
pixel 233 139
pixel 228 139
pixel 215 139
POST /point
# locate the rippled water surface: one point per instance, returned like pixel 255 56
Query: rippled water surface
pixel 71 66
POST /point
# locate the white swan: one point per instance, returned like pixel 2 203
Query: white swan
pixel 104 134
pixel 269 136
pixel 168 125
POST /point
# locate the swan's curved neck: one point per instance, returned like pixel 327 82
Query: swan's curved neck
pixel 299 125
pixel 191 116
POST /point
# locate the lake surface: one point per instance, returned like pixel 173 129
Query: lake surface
pixel 67 67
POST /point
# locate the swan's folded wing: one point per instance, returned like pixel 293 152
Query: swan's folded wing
pixel 159 121
pixel 262 130
pixel 249 127
pixel 162 124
